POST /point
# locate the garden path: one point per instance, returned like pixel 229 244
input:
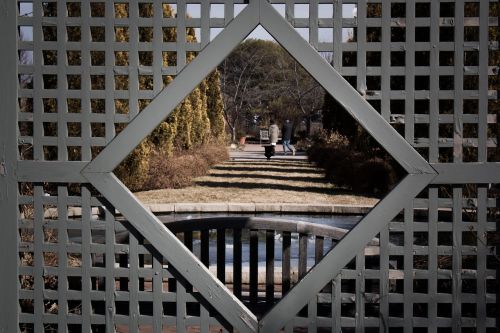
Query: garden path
pixel 249 178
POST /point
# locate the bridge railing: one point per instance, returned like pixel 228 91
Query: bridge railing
pixel 268 255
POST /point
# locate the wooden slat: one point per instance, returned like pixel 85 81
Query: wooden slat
pixel 181 35
pixel 336 305
pixel 110 268
pixel 318 248
pixel 254 265
pixel 285 259
pixel 9 198
pixel 457 259
pixel 133 271
pixel 157 296
pixel 221 255
pixel 483 84
pixel 408 264
pixel 172 283
pixel 204 247
pixel 188 242
pixel 482 218
pixel 237 261
pixel 180 316
pixel 434 84
pixel 433 258
pixel 62 276
pixel 86 262
pixel 133 75
pixel 204 319
pixel 270 267
pixel 384 278
pixel 302 255
pixel 458 89
pixel 50 171
pixel 359 292
pixel 141 265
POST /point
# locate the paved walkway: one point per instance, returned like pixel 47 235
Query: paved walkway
pixel 249 183
pixel 256 152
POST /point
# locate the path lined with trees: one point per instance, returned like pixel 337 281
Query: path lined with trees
pixel 260 80
pixel 260 181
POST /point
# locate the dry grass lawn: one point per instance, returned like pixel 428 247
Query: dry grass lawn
pixel 278 181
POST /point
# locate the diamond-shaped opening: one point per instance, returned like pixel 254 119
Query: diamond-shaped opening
pixel 260 257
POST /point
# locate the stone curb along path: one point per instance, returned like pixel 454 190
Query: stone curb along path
pixel 235 207
pixel 259 208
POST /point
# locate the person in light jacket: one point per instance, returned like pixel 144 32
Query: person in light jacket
pixel 273 132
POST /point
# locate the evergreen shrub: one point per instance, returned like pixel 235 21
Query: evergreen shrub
pixel 351 168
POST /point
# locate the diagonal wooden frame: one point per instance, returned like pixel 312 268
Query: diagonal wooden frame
pixel 420 173
pixel 336 259
pixel 99 171
pixel 342 91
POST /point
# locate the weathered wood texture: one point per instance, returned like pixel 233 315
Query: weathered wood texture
pixel 430 266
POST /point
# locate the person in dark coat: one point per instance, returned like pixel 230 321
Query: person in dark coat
pixel 286 136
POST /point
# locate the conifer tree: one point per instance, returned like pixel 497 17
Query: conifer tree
pixel 204 121
pixel 184 125
pixel 215 107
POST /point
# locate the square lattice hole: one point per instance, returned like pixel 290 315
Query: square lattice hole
pixel 374 58
pixel 122 34
pixel 146 10
pixel 74 129
pixel 74 58
pixel 325 10
pixel 217 10
pixel 422 34
pixel 74 9
pixel 422 9
pixel 374 10
pixel 422 58
pixel 398 58
pixel 349 59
